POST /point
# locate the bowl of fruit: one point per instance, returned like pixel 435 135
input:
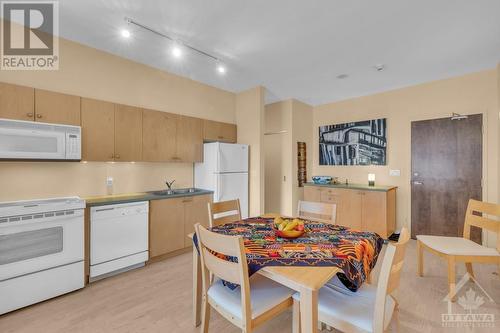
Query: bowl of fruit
pixel 288 228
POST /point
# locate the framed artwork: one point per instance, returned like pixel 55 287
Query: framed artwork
pixel 356 143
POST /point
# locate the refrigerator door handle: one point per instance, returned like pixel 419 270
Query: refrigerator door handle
pixel 219 188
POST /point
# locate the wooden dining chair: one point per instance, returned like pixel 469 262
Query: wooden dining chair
pixel 318 211
pixel 463 249
pixel 224 212
pixel 255 300
pixel 371 308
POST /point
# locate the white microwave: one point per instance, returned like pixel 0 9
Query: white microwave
pixel 26 140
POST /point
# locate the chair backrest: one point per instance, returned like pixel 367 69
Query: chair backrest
pixel 318 211
pixel 475 216
pixel 211 246
pixel 390 274
pixel 226 211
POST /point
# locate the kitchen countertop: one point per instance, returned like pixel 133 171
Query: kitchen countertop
pixel 361 187
pixel 134 197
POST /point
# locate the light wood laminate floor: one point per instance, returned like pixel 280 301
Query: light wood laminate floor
pixel 157 298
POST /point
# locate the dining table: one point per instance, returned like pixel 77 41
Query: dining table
pixel 304 264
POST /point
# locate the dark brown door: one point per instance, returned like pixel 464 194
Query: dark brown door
pixel 446 164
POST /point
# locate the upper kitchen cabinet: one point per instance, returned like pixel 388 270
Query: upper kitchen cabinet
pixel 128 133
pixel 217 131
pixel 98 130
pixel 17 102
pixel 52 107
pixel 159 136
pixel 189 139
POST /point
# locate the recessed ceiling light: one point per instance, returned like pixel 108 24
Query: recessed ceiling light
pixel 379 67
pixel 125 33
pixel 221 69
pixel 342 76
pixel 176 51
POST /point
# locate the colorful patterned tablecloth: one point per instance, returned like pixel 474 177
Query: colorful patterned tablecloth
pixel 354 252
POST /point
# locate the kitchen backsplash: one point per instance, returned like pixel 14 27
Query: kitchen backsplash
pixel 30 180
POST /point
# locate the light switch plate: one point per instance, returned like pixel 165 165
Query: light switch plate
pixel 395 173
pixel 109 181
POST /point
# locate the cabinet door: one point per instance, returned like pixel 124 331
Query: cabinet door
pixel 195 211
pixel 52 107
pixel 218 131
pixel 374 212
pixel 312 193
pixel 334 197
pixel 128 133
pixel 159 136
pixel 189 139
pixel 350 209
pixel 166 231
pixel 98 130
pixel 17 102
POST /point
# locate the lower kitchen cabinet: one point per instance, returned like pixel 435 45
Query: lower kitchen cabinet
pixel 171 220
pixel 195 211
pixel 365 210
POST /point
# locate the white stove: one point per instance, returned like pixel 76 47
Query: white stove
pixel 41 250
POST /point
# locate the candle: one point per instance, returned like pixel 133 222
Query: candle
pixel 371 179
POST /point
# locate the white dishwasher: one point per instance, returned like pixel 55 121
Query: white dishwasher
pixel 118 238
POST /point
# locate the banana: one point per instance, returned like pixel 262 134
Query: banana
pixel 291 225
pixel 282 225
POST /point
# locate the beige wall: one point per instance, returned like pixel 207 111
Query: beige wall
pixel 250 122
pixel 88 72
pixel 302 122
pixel 282 190
pixel 470 94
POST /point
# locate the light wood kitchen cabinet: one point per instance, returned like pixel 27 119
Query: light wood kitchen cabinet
pixel 366 210
pixel 195 211
pixel 57 108
pixel 17 102
pixel 98 130
pixel 159 136
pixel 218 131
pixel 128 133
pixel 171 220
pixel 189 147
pixel 166 229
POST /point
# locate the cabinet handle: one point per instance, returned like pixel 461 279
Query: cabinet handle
pixel 112 156
pixel 220 137
pixel 175 158
pixel 39 116
pixel 117 156
pixel 29 115
pixel 187 200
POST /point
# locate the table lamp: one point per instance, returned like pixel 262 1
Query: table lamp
pixel 371 179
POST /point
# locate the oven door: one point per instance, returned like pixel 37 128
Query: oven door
pixel 41 241
pixel 17 143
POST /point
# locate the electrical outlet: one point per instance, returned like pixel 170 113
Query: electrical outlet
pixel 109 181
pixel 395 173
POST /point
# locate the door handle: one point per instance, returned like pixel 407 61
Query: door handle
pixel 416 182
pixel 39 116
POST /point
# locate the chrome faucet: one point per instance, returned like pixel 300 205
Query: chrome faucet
pixel 169 184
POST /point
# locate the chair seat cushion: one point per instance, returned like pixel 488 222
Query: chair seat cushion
pixel 347 310
pixel 456 246
pixel 265 294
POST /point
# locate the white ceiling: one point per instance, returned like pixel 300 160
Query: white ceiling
pixel 296 48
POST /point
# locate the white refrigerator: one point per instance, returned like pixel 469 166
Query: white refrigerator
pixel 225 171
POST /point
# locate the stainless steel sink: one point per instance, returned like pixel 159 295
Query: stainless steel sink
pixel 176 191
